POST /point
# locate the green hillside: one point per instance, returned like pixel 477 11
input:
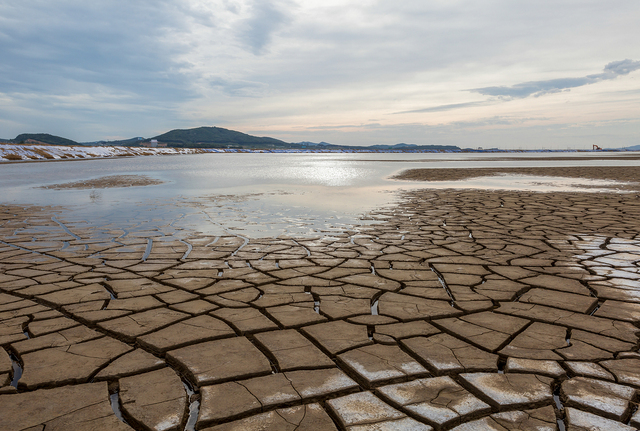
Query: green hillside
pixel 217 137
pixel 45 138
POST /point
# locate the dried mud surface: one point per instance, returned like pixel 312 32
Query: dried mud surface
pixel 460 310
pixel 107 182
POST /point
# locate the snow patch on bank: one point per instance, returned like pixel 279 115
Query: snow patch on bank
pixel 15 152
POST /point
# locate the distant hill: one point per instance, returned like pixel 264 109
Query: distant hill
pixel 43 138
pixel 632 148
pixel 217 137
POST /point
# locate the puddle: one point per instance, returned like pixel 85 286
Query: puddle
pixel 303 247
pixel 189 250
pixel 266 195
pixel 110 291
pixel 560 420
pixel 147 251
pixel 66 229
pixel 17 370
pixel 374 308
pixel 246 241
pixel 194 411
pixel 532 183
pixel 243 216
pixel 612 258
pixel 194 406
pixel 114 399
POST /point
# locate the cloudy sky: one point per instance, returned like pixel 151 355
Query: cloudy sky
pixel 497 73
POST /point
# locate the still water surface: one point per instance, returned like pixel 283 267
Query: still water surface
pixel 262 195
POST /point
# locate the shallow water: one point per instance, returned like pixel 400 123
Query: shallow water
pixel 265 195
pixel 531 183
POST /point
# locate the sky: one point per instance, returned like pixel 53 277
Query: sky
pixel 560 74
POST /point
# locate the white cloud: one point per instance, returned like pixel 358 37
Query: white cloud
pixel 295 67
pixel 256 31
pixel 539 88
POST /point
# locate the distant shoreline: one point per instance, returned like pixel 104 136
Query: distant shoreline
pixel 11 153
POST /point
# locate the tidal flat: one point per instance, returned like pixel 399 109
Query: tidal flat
pixel 374 304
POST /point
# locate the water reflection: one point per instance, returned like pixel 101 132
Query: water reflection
pixel 260 194
pixel 533 183
pixel 254 215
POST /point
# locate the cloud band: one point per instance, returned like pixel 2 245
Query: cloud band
pixel 538 88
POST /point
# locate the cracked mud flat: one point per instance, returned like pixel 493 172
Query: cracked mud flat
pixel 460 310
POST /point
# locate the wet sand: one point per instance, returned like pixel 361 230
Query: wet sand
pixel 460 310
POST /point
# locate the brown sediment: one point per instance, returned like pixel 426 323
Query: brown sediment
pixel 494 309
pixel 107 182
pixel 629 174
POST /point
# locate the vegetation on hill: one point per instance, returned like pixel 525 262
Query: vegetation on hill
pixel 217 137
pixel 43 138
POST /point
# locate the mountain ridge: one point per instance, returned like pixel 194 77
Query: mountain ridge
pixel 44 138
pixel 218 137
pixel 214 137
